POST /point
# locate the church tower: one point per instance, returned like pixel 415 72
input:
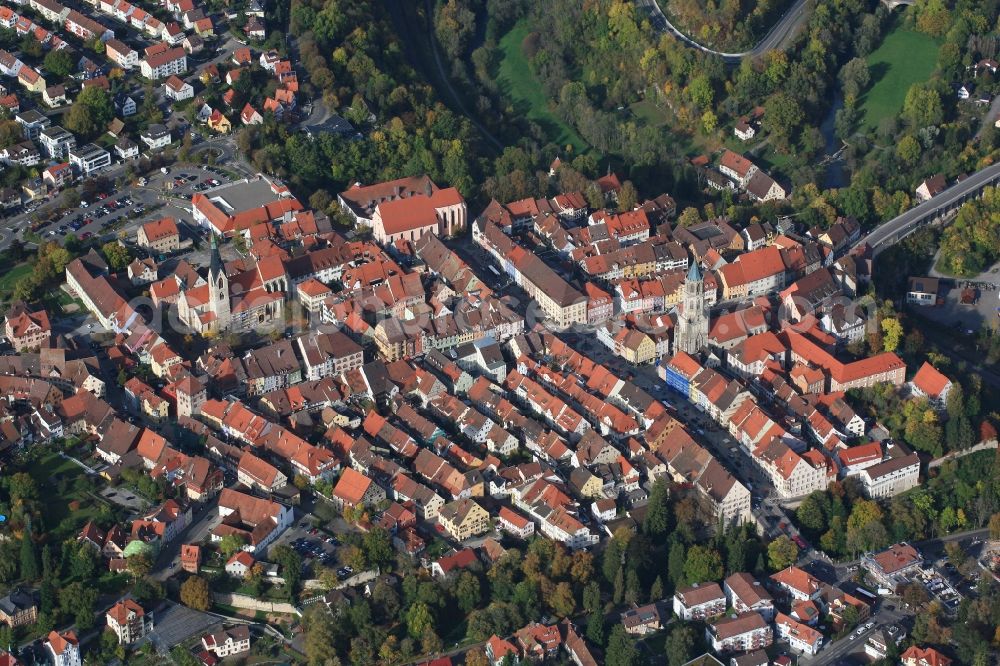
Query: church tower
pixel 692 321
pixel 218 290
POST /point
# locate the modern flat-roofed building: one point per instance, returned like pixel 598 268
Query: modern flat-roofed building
pixel 57 142
pixel 89 158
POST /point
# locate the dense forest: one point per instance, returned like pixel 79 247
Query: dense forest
pixel 972 242
pixel 597 61
pixel 726 25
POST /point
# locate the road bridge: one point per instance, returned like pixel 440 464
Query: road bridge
pixel 936 209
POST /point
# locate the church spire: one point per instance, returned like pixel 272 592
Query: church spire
pixel 694 272
pixel 215 265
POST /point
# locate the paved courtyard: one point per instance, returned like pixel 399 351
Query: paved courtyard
pixel 967 317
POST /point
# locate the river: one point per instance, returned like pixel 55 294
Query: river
pixel 836 175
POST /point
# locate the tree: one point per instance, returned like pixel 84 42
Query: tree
pixel 850 617
pixel 922 106
pixel 29 558
pixel 782 553
pixel 811 513
pixel 291 566
pixel 596 629
pixel 621 649
pixel 657 521
pixel 140 564
pixel 195 594
pixel 467 592
pixel 703 564
pixel 418 619
pixel 782 117
pixel 656 591
pixel 892 333
pixel 709 121
pixel 78 600
pixel 90 114
pixel 995 526
pixel 84 562
pixel 230 544
pixel 908 150
pixel 675 563
pixel 680 645
pixel 700 91
pixel 377 545
pixel 117 255
pixel 22 487
pixel 59 62
pixel 627 196
pixel 689 216
pixel 561 601
pixel 320 630
pixel 854 77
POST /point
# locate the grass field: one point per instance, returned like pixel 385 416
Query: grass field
pixel 522 88
pixel 904 58
pixel 56 511
pixel 650 114
pixel 10 278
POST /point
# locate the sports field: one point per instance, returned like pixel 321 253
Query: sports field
pixel 524 91
pixel 904 58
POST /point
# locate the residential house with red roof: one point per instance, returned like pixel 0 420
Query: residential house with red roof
pixel 355 489
pixel 27 330
pixel 63 648
pixel 129 621
pixel 930 383
pixel 801 637
pixel 923 656
pixel 798 583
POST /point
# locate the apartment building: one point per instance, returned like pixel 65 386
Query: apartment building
pixel 739 633
pixel 163 62
pixel 699 601
pixel 129 621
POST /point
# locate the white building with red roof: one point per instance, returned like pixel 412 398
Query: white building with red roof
pixel 63 648
pixel 699 601
pixel 514 523
pixel 923 656
pixel 800 584
pixel 930 383
pixel 801 637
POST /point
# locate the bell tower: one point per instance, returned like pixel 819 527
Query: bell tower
pixel 692 321
pixel 218 289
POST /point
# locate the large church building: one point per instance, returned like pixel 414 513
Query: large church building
pixel 252 299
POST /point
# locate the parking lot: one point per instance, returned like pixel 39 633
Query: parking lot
pixel 967 317
pixel 107 215
pixel 938 585
pixel 316 547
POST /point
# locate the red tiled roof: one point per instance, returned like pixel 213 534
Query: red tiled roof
pixel 352 486
pixel 930 380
